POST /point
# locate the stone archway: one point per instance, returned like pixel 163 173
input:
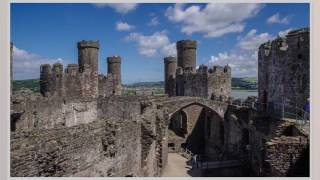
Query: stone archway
pixel 190 127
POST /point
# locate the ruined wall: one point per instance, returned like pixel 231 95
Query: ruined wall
pixel 213 136
pixel 82 80
pixel 94 149
pixel 46 113
pixel 283 70
pixel 192 84
pixel 127 138
pixel 219 82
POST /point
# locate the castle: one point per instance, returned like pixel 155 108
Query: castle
pixel 97 133
pixel 82 80
pixel 283 70
pixel 183 79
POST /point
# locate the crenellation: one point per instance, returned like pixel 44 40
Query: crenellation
pixel 283 66
pixel 189 81
pixel 81 80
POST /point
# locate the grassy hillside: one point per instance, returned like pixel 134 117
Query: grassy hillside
pixel 32 84
pixel 248 83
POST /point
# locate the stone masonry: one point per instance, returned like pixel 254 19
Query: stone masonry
pixel 82 79
pixel 283 70
pixel 82 126
pixel 183 79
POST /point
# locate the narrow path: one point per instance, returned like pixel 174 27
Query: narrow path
pixel 177 167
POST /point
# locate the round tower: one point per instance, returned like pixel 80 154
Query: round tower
pixel 114 65
pixel 114 68
pixel 88 54
pixel 170 75
pixel 45 79
pixel 57 77
pixel 186 50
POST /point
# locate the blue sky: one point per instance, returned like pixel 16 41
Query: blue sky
pixel 143 34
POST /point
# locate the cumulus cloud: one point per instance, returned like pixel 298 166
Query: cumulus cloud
pixel 209 21
pixel 26 65
pixel 150 45
pixel 123 26
pixel 154 21
pixel 243 57
pixel 284 32
pixel 122 8
pixel 277 19
pixel 252 40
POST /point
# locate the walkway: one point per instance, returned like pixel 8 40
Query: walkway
pixel 177 167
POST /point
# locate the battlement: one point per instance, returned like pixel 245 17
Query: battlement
pixel 283 64
pixel 298 32
pixel 192 44
pixel 82 79
pixel 88 44
pixel 203 69
pixel 170 59
pixel 45 68
pixel 220 69
pixel 114 59
pixel 72 69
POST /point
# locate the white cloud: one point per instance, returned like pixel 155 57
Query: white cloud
pixel 154 21
pixel 243 57
pixel 150 45
pixel 242 64
pixel 123 26
pixel 169 50
pixel 284 32
pixel 213 20
pixel 276 19
pixel 122 8
pixel 26 65
pixel 252 40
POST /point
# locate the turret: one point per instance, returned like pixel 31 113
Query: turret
pixel 88 54
pixel 45 79
pixel 114 65
pixel 72 69
pixel 186 50
pixel 170 75
pixel 114 69
pixel 57 77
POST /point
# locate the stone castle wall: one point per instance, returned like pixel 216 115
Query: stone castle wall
pixel 283 70
pixel 183 79
pixel 82 80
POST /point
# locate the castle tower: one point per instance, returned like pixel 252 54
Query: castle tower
pixel 114 65
pixel 88 54
pixel 186 50
pixel 57 79
pixel 170 66
pixel 45 79
pixel 88 66
pixel 114 70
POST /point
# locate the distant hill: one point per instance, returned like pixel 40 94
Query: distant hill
pixel 247 83
pixel 31 84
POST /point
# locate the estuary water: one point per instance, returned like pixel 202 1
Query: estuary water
pixel 243 94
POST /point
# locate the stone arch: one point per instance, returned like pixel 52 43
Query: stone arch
pixel 179 123
pixel 172 112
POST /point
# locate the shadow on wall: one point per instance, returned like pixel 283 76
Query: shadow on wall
pixel 302 166
pixel 196 141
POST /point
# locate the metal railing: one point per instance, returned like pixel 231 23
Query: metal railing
pixel 279 111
